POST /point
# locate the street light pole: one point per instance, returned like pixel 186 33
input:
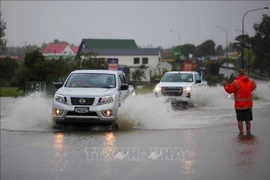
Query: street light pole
pixel 179 37
pixel 226 40
pixel 243 20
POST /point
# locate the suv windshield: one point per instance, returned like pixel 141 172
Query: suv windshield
pixel 91 80
pixel 177 77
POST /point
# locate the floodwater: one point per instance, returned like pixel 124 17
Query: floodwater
pixel 153 141
pixel 211 108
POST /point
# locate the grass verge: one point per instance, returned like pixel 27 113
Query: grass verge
pixel 10 92
pixel 144 90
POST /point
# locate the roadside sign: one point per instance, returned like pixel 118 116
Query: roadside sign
pixel 176 53
pixel 113 64
pixel 35 86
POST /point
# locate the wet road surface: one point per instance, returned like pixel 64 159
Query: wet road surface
pixel 206 153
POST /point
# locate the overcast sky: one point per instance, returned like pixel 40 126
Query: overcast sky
pixel 147 22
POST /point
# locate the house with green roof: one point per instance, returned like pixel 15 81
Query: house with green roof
pixel 125 51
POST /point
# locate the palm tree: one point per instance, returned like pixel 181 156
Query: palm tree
pixel 138 74
pixel 238 45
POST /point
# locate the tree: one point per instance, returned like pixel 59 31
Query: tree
pixel 3 27
pixel 207 48
pixel 43 46
pixel 33 69
pixel 9 67
pixel 57 70
pixel 33 59
pixel 90 61
pixel 238 44
pixel 187 49
pixel 138 74
pixel 213 69
pixel 219 50
pixel 230 47
pixel 249 57
pixel 260 45
pixel 56 41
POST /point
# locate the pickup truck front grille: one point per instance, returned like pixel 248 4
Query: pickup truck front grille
pixel 172 91
pixel 82 101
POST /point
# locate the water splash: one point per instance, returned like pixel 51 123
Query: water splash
pixel 263 91
pixel 31 112
pixel 212 108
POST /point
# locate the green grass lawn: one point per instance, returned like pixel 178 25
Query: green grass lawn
pixel 10 92
pixel 144 90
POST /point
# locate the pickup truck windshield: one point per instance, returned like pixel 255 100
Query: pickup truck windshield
pixel 91 80
pixel 177 77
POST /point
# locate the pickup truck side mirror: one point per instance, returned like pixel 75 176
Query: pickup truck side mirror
pixel 58 85
pixel 198 81
pixel 157 80
pixel 124 87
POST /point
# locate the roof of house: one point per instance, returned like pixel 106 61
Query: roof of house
pixel 12 57
pixel 123 52
pixel 55 48
pixel 166 53
pixel 75 49
pixel 109 43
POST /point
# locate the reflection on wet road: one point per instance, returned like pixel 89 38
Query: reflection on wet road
pixel 189 153
pixel 60 160
pixel 247 149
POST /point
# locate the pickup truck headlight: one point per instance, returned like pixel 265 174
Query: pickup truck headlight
pixel 105 100
pixel 188 89
pixel 157 88
pixel 60 98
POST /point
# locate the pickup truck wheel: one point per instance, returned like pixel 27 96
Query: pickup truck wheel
pixel 113 126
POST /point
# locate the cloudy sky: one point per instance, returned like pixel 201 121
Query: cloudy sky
pixel 148 22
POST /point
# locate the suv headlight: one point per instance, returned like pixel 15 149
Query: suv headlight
pixel 60 98
pixel 188 89
pixel 105 100
pixel 157 88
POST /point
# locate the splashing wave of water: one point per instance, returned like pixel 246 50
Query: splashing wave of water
pixel 212 107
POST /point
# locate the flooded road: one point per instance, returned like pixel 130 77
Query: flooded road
pixel 152 142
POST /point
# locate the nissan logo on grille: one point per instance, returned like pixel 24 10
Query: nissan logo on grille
pixel 82 101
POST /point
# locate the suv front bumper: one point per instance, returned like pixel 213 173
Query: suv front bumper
pixel 96 113
pixel 185 97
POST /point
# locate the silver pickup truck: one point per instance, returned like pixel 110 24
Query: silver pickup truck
pixel 90 96
pixel 177 86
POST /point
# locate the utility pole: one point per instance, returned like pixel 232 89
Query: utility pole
pixel 226 41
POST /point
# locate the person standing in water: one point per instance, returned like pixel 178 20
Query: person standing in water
pixel 242 88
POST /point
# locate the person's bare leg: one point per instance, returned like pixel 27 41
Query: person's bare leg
pixel 240 126
pixel 248 126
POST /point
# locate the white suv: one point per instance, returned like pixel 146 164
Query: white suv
pixel 176 86
pixel 89 96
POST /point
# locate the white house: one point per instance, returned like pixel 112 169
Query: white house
pixel 132 57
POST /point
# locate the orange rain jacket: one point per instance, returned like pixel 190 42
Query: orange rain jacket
pixel 242 88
